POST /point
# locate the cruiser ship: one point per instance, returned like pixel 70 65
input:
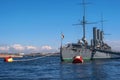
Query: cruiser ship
pixel 97 49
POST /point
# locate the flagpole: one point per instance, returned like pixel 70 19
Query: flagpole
pixel 62 36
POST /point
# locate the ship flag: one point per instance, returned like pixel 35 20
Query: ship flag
pixel 62 36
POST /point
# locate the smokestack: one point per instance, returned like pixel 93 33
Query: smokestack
pixel 92 43
pixel 101 35
pixel 98 34
pixel 95 36
pixel 94 33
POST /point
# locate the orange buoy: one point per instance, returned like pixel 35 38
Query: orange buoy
pixel 8 59
pixel 77 59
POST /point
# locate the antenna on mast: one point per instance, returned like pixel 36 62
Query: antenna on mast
pixel 102 22
pixel 102 26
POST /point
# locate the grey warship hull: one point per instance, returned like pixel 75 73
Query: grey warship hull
pixel 68 53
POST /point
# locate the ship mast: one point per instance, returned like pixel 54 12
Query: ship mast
pixel 84 21
pixel 102 21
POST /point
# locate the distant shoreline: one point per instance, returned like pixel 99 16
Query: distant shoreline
pixel 3 55
pixel 10 55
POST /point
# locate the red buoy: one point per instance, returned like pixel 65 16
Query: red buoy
pixel 8 59
pixel 78 59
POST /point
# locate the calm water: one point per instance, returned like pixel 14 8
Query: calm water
pixel 50 68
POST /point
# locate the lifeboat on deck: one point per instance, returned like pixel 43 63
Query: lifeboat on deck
pixel 77 59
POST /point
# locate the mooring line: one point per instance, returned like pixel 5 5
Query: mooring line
pixel 31 58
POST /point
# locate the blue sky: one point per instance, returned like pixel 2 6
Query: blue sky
pixel 38 23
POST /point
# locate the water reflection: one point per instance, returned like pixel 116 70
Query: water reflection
pixel 93 70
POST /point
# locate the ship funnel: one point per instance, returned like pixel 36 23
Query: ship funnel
pixel 101 35
pixel 95 36
pixel 92 43
pixel 98 34
pixel 94 33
